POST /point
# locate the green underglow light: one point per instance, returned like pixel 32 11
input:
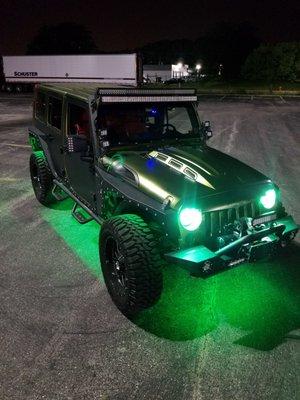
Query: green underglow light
pixel 268 199
pixel 190 218
pixel 254 305
pixel 81 239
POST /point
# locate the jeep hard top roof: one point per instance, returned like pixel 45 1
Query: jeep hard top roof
pixel 117 93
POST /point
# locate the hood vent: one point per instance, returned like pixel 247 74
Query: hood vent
pixel 180 167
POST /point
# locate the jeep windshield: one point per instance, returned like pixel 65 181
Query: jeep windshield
pixel 147 122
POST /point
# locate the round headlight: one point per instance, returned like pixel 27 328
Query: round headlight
pixel 268 200
pixel 190 218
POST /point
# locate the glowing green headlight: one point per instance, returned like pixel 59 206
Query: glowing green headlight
pixel 268 200
pixel 190 218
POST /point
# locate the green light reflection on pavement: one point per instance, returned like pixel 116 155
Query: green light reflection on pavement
pixel 82 239
pixel 261 301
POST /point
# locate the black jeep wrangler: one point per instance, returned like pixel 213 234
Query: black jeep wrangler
pixel 136 161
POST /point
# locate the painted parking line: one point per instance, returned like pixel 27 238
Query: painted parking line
pixel 282 99
pixel 9 205
pixel 16 145
pixel 7 179
pixel 18 97
pixel 293 336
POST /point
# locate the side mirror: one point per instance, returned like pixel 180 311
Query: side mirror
pixel 207 132
pixel 77 144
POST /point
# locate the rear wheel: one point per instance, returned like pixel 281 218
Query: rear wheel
pixel 41 178
pixel 130 263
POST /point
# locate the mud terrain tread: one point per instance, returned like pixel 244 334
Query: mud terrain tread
pixel 44 192
pixel 142 261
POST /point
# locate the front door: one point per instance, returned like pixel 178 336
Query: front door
pixel 79 167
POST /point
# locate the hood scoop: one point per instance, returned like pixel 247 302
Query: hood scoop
pixel 180 167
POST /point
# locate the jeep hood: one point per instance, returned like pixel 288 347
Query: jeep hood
pixel 187 174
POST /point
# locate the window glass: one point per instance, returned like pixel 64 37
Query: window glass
pixel 55 111
pixel 146 122
pixel 40 106
pixel 178 118
pixel 78 121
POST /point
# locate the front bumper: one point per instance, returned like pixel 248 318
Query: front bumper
pixel 201 261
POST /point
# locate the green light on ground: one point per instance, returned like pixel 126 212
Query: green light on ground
pixel 255 305
pixel 82 239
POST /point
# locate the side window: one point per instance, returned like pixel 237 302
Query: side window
pixel 40 106
pixel 78 121
pixel 55 111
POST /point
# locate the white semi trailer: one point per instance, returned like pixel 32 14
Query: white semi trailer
pixel 22 72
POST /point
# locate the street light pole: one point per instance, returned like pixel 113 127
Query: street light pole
pixel 198 69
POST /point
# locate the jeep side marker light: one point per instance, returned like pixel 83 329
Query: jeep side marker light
pixel 190 218
pixel 268 199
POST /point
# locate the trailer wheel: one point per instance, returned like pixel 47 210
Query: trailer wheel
pixel 130 263
pixel 41 178
pixel 9 88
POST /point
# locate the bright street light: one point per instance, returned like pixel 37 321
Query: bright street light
pixel 198 67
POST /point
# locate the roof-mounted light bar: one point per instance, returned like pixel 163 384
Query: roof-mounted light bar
pixel 146 99
pixel 143 92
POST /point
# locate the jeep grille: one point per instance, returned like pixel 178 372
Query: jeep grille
pixel 216 220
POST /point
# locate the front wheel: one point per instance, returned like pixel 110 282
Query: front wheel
pixel 130 263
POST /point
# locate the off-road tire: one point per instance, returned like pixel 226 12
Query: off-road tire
pixel 41 178
pixel 140 261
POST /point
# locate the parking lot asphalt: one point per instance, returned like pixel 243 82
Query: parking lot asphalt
pixel 235 335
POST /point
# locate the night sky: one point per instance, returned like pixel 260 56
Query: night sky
pixel 118 25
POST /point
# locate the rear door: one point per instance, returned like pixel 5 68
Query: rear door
pixel 53 130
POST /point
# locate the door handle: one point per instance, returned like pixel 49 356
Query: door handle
pixel 89 159
pixel 63 149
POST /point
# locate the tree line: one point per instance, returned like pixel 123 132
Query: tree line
pixel 235 48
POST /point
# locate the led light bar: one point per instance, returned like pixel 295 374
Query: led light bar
pixel 142 92
pixel 146 99
pixel 264 219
